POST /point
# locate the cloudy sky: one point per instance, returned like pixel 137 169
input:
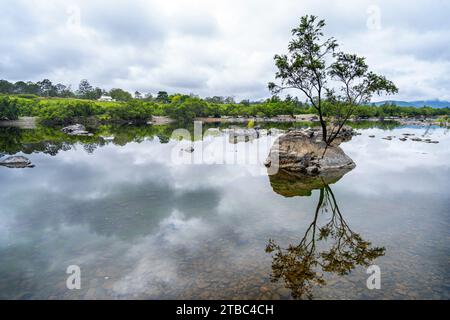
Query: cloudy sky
pixel 220 47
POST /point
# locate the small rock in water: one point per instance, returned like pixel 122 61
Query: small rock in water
pixel 16 162
pixel 387 138
pixel 416 139
pixel 76 130
pixel 371 136
pixel 189 150
pixel 403 139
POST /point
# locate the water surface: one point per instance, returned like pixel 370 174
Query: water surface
pixel 142 226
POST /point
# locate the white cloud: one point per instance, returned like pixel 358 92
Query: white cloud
pixel 216 47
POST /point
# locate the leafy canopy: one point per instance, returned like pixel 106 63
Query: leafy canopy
pixel 315 67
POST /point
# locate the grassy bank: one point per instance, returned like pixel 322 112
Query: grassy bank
pixel 182 108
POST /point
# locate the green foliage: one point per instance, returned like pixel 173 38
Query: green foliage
pixel 68 110
pixel 163 97
pixel 312 62
pixel 134 110
pixel 9 109
pixel 185 108
pixel 120 95
pixel 86 91
pixel 65 112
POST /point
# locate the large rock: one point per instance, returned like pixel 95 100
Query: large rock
pixel 76 130
pixel 303 151
pixel 16 162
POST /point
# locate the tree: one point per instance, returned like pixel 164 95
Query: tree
pixel 148 97
pixel 120 95
pixel 87 91
pixel 163 97
pixel 63 91
pixel 313 62
pixel 46 88
pixel 32 88
pixel 137 95
pixel 6 86
pixel 96 93
pixel 84 88
pixel 20 87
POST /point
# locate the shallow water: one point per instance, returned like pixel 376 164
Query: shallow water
pixel 141 224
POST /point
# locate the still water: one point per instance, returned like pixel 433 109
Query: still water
pixel 143 225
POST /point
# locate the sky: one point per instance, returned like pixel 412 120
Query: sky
pixel 220 47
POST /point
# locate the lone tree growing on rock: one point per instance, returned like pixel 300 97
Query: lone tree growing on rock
pixel 331 80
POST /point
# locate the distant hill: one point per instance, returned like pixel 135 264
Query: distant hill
pixel 428 103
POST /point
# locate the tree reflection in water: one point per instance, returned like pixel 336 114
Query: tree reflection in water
pixel 325 248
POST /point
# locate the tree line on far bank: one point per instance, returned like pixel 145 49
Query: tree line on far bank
pixel 182 108
pixel 48 89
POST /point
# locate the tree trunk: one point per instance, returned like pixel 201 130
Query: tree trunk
pixel 324 128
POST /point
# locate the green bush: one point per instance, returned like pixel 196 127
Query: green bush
pixel 9 109
pixel 134 110
pixel 65 112
pixel 185 109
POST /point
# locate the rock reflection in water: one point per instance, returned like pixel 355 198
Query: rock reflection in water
pixel 330 247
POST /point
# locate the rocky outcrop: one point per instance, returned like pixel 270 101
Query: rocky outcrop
pixel 16 162
pixel 76 130
pixel 303 151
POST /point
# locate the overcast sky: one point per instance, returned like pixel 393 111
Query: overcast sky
pixel 216 47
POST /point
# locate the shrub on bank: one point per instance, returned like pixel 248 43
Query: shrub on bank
pixel 65 112
pixel 133 110
pixel 9 109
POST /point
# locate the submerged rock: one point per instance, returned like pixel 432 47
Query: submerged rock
pixel 76 130
pixel 303 151
pixel 16 162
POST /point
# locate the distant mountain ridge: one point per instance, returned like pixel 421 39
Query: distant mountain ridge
pixel 418 104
